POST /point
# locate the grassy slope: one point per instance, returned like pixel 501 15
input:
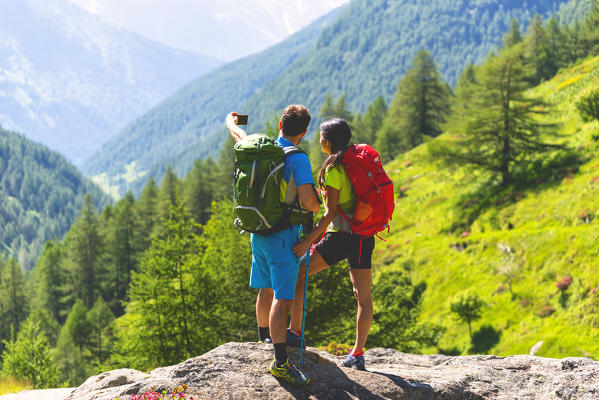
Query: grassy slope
pixel 547 235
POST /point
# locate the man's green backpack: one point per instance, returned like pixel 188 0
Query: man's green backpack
pixel 259 201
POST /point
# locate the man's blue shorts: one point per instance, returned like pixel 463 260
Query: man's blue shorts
pixel 274 265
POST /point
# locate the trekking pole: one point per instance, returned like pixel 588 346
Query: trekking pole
pixel 304 308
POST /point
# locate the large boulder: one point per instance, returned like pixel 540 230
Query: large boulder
pixel 239 371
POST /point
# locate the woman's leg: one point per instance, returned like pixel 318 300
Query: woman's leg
pixel 362 281
pixel 317 264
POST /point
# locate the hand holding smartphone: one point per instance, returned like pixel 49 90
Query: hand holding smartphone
pixel 242 119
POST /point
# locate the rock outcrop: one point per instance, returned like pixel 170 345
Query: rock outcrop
pixel 239 371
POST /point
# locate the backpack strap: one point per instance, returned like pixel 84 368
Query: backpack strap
pixel 290 150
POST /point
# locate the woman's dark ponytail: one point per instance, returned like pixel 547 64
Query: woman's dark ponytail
pixel 338 133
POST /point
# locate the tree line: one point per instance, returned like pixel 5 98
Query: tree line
pixel 155 280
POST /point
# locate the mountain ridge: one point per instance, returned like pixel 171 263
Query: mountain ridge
pixel 41 194
pixel 70 80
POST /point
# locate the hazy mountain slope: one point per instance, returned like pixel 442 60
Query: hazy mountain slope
pixel 41 193
pixel 71 80
pixel 363 54
pixel 450 227
pixel 192 115
pixel 366 51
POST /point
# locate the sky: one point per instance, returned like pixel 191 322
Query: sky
pixel 225 29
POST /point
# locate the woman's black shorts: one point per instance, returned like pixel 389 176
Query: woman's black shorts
pixel 336 246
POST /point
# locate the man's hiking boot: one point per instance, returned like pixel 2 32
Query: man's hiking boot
pixel 266 341
pixel 356 362
pixel 289 373
pixel 293 339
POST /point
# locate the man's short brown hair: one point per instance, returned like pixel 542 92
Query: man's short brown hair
pixel 295 120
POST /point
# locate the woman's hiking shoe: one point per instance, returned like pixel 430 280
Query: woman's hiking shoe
pixel 293 339
pixel 266 341
pixel 289 373
pixel 356 362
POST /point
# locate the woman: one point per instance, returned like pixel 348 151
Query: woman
pixel 338 243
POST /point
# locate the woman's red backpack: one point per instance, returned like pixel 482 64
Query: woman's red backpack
pixel 373 188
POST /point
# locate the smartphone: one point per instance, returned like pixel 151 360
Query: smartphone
pixel 242 119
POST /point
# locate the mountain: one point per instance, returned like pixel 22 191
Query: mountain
pixel 362 51
pixel 41 194
pixel 192 120
pixel 453 231
pixel 70 80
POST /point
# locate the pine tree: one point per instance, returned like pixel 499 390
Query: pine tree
pixel 50 280
pixel 574 47
pixel 365 127
pixel 28 357
pixel 100 318
pixel 147 209
pixel 419 108
pixel 169 194
pixel 198 193
pixel 496 120
pixel 538 51
pixel 591 31
pixel 124 250
pixel 557 42
pixel 14 302
pixel 514 35
pixel 71 353
pixel 224 247
pixel 86 249
pixel 221 172
pixel 164 304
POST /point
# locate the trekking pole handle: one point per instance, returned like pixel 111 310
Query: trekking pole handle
pixel 304 307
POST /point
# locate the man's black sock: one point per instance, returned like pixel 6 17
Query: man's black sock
pixel 280 353
pixel 263 333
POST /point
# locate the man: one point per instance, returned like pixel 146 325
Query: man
pixel 274 265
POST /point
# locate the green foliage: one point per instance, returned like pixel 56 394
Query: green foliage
pixel 28 357
pixel 14 302
pixel 227 258
pixel 418 109
pixel 40 196
pixel 468 307
pixel 590 34
pixel 101 321
pixel 514 35
pixel 588 105
pixel 49 281
pixel 365 127
pixel 86 248
pixel 496 121
pixel 397 305
pixel 549 224
pixel 71 353
pixel 170 298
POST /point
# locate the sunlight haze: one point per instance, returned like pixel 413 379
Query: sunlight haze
pixel 225 30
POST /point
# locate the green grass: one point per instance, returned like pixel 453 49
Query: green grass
pixel 551 224
pixel 11 385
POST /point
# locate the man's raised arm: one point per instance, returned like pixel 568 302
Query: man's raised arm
pixel 236 132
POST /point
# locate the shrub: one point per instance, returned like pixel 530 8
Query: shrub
pixel 588 106
pixel 337 349
pixel 467 306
